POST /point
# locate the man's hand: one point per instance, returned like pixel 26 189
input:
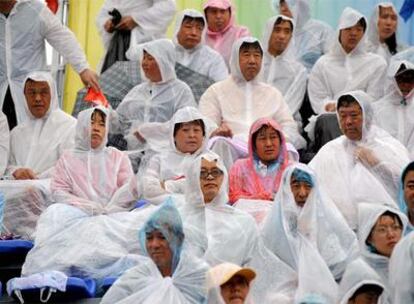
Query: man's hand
pixel 90 79
pixel 330 107
pixel 109 26
pixel 224 130
pixel 24 173
pixel 366 156
pixel 139 136
pixel 127 24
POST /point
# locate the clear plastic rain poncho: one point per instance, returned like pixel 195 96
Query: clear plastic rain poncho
pixel 402 204
pixel 23 48
pixel 338 72
pixel 4 143
pixel 402 108
pixel 38 143
pixel 348 181
pixel 374 44
pixel 368 215
pixel 357 274
pixel 319 221
pixel 152 17
pixel 223 41
pixel 231 234
pixel 169 164
pixel 202 58
pixel 284 71
pixel 154 102
pixel 313 38
pixel 145 283
pixel 401 275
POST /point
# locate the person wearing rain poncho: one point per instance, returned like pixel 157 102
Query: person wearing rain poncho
pixel 364 164
pixel 4 143
pixel 302 209
pixel 158 97
pixel 281 69
pixel 222 31
pixel 380 228
pixel 190 47
pixel 382 31
pixel 236 102
pixel 186 137
pixel 406 195
pixel 168 274
pixel 313 38
pixel 395 111
pixel 347 66
pixel 258 176
pixel 360 284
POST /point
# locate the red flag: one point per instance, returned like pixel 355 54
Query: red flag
pixel 53 5
pixel 97 98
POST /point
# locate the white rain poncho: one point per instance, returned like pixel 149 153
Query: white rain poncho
pixel 348 181
pixel 38 143
pixel 154 102
pixel 313 38
pixel 23 48
pixel 4 143
pixel 338 72
pixel 357 274
pixel 169 164
pixel 374 44
pixel 202 58
pixel 319 222
pixel 145 283
pixel 368 215
pixel 285 72
pixel 152 17
pixel 401 275
pixel 232 234
pixel 401 109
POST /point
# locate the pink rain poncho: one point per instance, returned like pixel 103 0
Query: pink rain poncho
pixel 223 41
pixel 249 177
pixel 90 178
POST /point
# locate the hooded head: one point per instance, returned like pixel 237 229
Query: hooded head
pixel 406 190
pixel 298 10
pixel 401 75
pixel 41 95
pixel 383 26
pixel 246 59
pixel 92 126
pixel 278 35
pixel 163 53
pixel 190 29
pixel 220 15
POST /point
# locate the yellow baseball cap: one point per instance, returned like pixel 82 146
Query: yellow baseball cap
pixel 222 273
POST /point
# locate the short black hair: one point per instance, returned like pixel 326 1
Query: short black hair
pixel 346 101
pixel 191 19
pixel 407 169
pixel 362 23
pixel 280 20
pixel 251 45
pixel 100 113
pixel 377 289
pixel 198 122
pixel 255 134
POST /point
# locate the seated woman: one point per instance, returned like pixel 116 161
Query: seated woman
pixel 301 209
pixel 186 135
pixel 380 229
pixel 168 274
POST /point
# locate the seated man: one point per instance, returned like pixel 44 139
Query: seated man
pixel 229 283
pixel 190 47
pixel 222 31
pixel 236 102
pixel 158 97
pixel 399 101
pixel 281 69
pixel 406 195
pixel 312 37
pixel 37 144
pixel 168 274
pixel 4 143
pixel 364 164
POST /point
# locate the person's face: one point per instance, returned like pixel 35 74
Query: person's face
pixel 405 82
pixel 300 191
pixel 280 37
pixel 351 121
pixel 235 290
pixel 350 37
pixel 267 144
pixel 409 190
pixel 387 23
pixel 189 35
pixel 217 18
pixel 151 68
pixel 369 297
pixel 385 235
pixel 38 97
pixel 189 137
pixel 284 9
pixel 158 249
pixel 250 61
pixel 98 129
pixel 211 178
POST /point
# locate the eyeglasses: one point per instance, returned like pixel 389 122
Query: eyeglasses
pixel 204 174
pixel 383 230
